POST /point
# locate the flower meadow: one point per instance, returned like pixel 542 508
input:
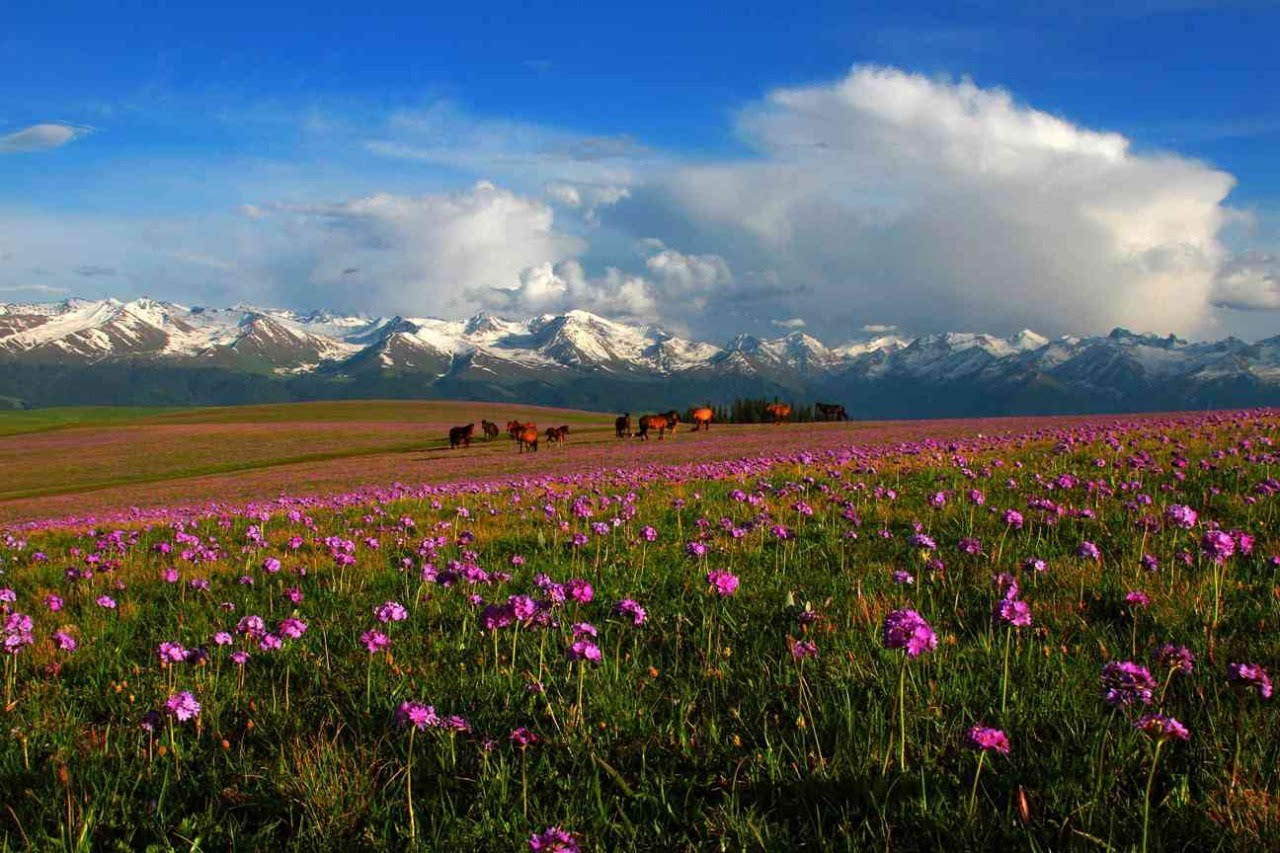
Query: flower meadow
pixel 1062 638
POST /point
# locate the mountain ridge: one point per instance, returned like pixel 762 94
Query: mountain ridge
pixel 581 358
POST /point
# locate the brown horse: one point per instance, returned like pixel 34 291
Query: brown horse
pixel 663 423
pixel 460 436
pixel 702 418
pixel 490 429
pixel 557 435
pixel 779 412
pixel 622 426
pixel 527 438
pixel 514 428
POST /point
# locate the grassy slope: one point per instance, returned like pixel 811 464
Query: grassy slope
pixel 73 450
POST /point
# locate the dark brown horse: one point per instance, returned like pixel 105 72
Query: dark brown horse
pixel 830 412
pixel 557 435
pixel 460 436
pixel 528 439
pixel 622 426
pixel 490 429
pixel 663 423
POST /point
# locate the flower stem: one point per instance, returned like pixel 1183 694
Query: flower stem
pixel 1146 801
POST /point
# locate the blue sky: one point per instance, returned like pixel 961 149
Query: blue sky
pixel 220 154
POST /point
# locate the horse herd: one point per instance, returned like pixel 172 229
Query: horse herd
pixel 526 435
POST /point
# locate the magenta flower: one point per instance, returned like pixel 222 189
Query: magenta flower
pixel 292 628
pixel 1165 728
pixel 628 607
pixel 1217 545
pixel 908 630
pixel 1137 599
pixel 53 602
pixel 1176 658
pixel 1250 675
pixel 1089 551
pixel 522 737
pixel 106 602
pixel 375 641
pixel 1013 518
pixel 986 739
pixel 171 653
pixel 1013 611
pixel 418 715
pixel 553 839
pixel 585 650
pixel 1127 683
pixel 390 611
pixel 182 706
pixel 723 583
pixel 803 649
pixel 1181 516
pixel 580 591
pixel 64 641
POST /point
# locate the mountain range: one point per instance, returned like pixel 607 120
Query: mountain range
pixel 148 351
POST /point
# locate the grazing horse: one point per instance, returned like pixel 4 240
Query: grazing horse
pixel 830 412
pixel 557 435
pixel 622 426
pixel 460 436
pixel 514 428
pixel 490 429
pixel 527 438
pixel 663 423
pixel 779 412
pixel 702 418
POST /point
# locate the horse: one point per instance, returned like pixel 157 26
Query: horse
pixel 702 418
pixel 779 412
pixel 490 429
pixel 663 423
pixel 557 435
pixel 830 412
pixel 514 428
pixel 460 436
pixel 622 426
pixel 528 439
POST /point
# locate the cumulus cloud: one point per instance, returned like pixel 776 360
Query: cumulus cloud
pixel 39 137
pixel 673 283
pixel 937 203
pixel 1249 282
pixel 415 254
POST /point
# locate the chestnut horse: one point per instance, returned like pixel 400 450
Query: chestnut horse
pixel 778 411
pixel 514 428
pixel 527 438
pixel 663 423
pixel 702 418
pixel 490 429
pixel 460 436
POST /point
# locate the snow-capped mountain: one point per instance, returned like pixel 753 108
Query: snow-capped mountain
pixel 83 350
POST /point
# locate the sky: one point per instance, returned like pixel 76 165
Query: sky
pixel 838 168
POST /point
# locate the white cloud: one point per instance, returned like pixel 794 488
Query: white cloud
pixel 39 137
pixel 879 328
pixel 936 203
pixel 416 254
pixel 792 323
pixel 1249 282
